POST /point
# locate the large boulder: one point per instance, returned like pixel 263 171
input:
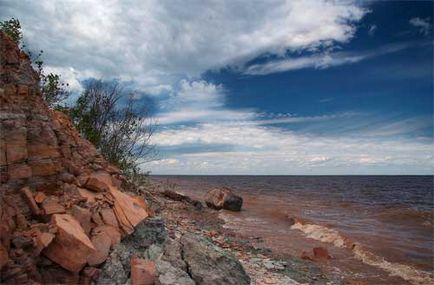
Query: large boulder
pixel 223 198
pixel 209 264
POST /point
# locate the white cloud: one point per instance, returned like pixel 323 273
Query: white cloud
pixel 261 150
pixel 160 42
pixel 372 30
pixel 321 61
pixel 424 25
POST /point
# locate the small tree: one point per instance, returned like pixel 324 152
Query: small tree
pixel 111 119
pixel 12 28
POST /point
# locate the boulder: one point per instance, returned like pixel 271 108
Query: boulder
pixel 142 271
pixel 209 264
pixel 71 247
pixel 223 198
pixel 167 274
pixel 321 253
pixel 102 244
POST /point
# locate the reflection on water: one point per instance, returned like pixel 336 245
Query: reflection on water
pixel 390 219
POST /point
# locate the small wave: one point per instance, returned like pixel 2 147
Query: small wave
pixel 327 235
pixel 408 273
pixel 321 233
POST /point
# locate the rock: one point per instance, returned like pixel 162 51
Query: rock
pixel 142 271
pixel 321 253
pixel 176 196
pixel 223 198
pixel 43 240
pixel 96 183
pixel 102 244
pixel 208 264
pixel 71 247
pixel 170 275
pixel 111 232
pixel 129 211
pixel 172 253
pixel 40 197
pixel 306 255
pixel 83 216
pixel 4 257
pixel 151 231
pixel 51 206
pixel 108 217
pixel 28 196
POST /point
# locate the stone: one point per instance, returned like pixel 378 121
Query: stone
pixel 19 171
pixel 170 275
pixel 111 232
pixel 88 195
pixel 223 198
pixel 4 257
pixel 40 197
pixel 96 183
pixel 28 196
pixel 321 253
pixel 128 210
pixel 43 240
pixel 102 244
pixel 142 271
pixel 44 167
pixel 51 206
pixel 83 216
pixel 71 248
pixel 108 217
pixel 16 152
pixel 209 264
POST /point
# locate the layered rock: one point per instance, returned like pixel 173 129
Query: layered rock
pixel 61 206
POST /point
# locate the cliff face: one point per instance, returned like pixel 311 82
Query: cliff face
pixel 60 202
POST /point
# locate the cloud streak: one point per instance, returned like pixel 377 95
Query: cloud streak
pixel 321 61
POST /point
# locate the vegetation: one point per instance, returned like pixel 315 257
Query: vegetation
pixel 109 117
pixel 53 89
pixel 12 28
pixel 105 114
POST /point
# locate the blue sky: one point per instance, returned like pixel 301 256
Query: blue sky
pixel 272 87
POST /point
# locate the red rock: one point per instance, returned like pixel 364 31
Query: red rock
pixel 142 271
pixel 111 232
pixel 306 255
pixel 43 240
pixel 321 253
pixel 102 244
pixel 108 217
pixel 44 167
pixel 28 196
pixel 19 171
pixel 4 257
pixel 40 197
pixel 52 206
pixel 71 248
pixel 16 152
pixel 88 195
pixel 223 198
pixel 128 210
pixel 83 216
pixel 40 151
pixel 95 183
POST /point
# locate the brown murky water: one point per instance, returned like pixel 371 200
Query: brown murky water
pixel 388 218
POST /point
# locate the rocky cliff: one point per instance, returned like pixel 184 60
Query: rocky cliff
pixel 61 204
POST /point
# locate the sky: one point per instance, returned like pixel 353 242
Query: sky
pixel 275 87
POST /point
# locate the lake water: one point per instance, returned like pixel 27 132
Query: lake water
pixel 378 229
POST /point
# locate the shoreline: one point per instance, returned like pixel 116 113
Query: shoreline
pixel 373 264
pixel 259 261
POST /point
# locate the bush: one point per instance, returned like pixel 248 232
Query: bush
pixel 12 28
pixel 110 118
